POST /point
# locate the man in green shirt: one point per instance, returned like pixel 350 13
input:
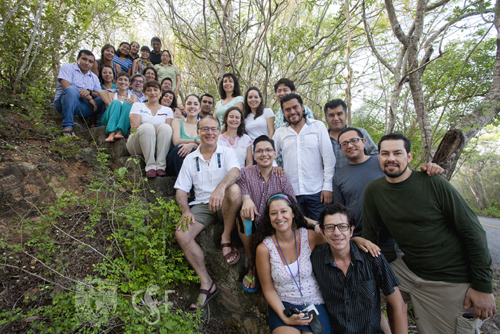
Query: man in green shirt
pixel 445 271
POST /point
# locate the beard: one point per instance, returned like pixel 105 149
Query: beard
pixel 396 173
pixel 296 122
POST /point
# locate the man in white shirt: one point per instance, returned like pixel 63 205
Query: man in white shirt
pixel 308 158
pixel 212 170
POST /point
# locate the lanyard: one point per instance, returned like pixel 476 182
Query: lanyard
pixel 298 263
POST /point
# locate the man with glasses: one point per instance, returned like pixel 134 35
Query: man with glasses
pixel 446 270
pixel 212 170
pixel 335 117
pixel 257 184
pixel 136 84
pixel 350 181
pixel 350 280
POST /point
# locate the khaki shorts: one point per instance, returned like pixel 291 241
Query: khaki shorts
pixel 204 216
pixel 438 305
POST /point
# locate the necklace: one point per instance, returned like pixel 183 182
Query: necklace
pixel 122 95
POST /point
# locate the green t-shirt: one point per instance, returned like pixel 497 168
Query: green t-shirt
pixel 433 225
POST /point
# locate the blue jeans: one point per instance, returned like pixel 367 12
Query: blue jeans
pixel 174 161
pixel 69 104
pixel 311 205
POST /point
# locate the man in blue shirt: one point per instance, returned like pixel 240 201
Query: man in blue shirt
pixel 77 91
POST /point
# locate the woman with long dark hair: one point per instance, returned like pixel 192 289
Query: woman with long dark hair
pixel 122 57
pixel 235 137
pixel 107 77
pixel 230 93
pixel 284 267
pixel 107 55
pixel 259 120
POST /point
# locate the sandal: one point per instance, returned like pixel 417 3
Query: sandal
pixel 109 139
pixel 209 297
pixel 119 137
pixel 250 290
pixel 70 132
pixel 232 253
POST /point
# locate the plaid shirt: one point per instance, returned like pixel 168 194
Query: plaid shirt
pixel 252 183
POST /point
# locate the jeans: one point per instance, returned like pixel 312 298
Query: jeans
pixel 311 205
pixel 174 161
pixel 69 104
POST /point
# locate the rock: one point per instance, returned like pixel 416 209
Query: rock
pixel 246 310
pixel 22 188
pixel 30 295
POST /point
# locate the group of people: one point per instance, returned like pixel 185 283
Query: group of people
pixel 331 222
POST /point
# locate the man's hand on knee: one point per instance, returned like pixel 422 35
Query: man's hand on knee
pixel 248 210
pixel 186 220
pixel 483 303
pixel 216 199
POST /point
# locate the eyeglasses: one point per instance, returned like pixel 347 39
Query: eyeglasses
pixel 206 129
pixel 331 227
pixel 267 150
pixel 350 141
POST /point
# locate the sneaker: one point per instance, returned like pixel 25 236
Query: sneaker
pixel 161 172
pixel 151 174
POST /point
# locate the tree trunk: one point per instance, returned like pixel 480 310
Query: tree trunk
pixel 449 151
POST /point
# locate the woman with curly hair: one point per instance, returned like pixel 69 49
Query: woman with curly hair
pixel 284 268
pixel 230 93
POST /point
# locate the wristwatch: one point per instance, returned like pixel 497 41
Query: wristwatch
pixel 90 91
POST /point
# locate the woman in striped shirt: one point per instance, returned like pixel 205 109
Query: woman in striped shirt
pixel 123 58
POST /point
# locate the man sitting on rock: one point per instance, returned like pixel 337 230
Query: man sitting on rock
pixel 212 170
pixel 77 91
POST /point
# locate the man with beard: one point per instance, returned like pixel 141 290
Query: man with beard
pixel 307 154
pixel 335 117
pixel 445 271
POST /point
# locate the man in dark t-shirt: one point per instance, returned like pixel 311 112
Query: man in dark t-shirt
pixel 155 55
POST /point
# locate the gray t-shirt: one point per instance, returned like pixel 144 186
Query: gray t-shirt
pixel 348 188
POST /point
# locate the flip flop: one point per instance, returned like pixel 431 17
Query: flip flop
pixel 118 137
pixel 109 139
pixel 210 296
pixel 233 252
pixel 250 290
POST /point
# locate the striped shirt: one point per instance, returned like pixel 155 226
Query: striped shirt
pixel 252 183
pixel 71 72
pixel 353 300
pixel 125 64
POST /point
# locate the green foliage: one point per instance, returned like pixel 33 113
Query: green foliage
pixel 139 252
pixel 62 27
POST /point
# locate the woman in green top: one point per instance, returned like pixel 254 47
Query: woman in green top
pixel 168 70
pixel 230 93
pixel 184 134
pixel 107 77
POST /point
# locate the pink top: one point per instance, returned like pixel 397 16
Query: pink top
pixel 283 282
